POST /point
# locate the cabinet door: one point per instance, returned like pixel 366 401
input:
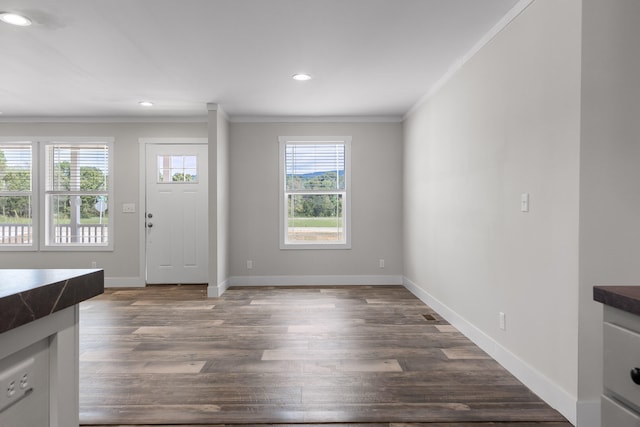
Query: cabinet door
pixel 621 355
pixel 615 415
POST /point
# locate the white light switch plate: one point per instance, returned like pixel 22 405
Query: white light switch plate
pixel 524 202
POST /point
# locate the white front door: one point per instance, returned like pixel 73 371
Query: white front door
pixel 176 213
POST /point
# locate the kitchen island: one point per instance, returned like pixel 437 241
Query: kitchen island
pixel 39 344
pixel 620 400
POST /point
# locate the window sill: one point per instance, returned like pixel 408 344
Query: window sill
pixel 77 248
pixel 315 246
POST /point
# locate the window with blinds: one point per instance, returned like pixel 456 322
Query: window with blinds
pixel 77 194
pixel 314 192
pixel 16 195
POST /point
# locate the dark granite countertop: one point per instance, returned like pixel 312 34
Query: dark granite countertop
pixel 27 295
pixel 626 298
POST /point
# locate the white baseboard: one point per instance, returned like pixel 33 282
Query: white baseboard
pixel 220 288
pixel 214 291
pixel 314 280
pixel 124 282
pixel 546 389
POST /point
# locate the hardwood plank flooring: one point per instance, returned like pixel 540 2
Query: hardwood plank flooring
pixel 351 356
pixel 497 424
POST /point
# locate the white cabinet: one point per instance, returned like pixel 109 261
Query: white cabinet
pixel 39 344
pixel 52 344
pixel 621 394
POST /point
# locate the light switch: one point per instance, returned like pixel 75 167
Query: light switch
pixel 128 208
pixel 524 202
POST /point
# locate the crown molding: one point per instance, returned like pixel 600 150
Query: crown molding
pixel 316 119
pixel 105 119
pixel 204 119
pixel 512 14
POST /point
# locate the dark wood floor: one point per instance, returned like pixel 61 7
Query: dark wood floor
pixel 348 355
pixel 498 424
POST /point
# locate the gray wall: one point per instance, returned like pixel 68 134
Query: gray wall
pixel 609 169
pixel 124 261
pixel 506 123
pixel 223 197
pixel 245 179
pixel 376 201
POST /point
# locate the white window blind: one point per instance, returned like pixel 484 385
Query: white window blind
pixel 77 167
pixel 314 167
pixel 77 195
pixel 315 192
pixel 16 195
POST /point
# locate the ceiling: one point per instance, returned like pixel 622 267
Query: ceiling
pixel 99 58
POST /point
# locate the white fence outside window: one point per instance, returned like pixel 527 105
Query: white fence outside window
pixel 22 234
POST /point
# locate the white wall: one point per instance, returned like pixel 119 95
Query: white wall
pixel 223 199
pixel 506 123
pixel 610 169
pixel 219 200
pixel 124 262
pixel 376 202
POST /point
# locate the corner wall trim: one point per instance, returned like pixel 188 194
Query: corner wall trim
pixel 214 291
pixel 588 413
pixel 547 390
pixel 316 280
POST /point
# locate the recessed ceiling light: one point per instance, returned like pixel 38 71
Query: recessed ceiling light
pixel 301 77
pixel 15 19
pixel 146 103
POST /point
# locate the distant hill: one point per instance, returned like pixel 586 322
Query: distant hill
pixel 316 174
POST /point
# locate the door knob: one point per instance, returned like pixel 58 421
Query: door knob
pixel 149 215
pixel 149 224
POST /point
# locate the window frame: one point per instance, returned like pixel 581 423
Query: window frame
pixel 35 199
pixel 46 241
pixel 38 194
pixel 283 193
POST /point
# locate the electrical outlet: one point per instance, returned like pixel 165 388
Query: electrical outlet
pixel 128 208
pixel 502 321
pixel 16 383
pixel 94 264
pixel 249 264
pixel 381 263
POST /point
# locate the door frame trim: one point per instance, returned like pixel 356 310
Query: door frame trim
pixel 142 189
